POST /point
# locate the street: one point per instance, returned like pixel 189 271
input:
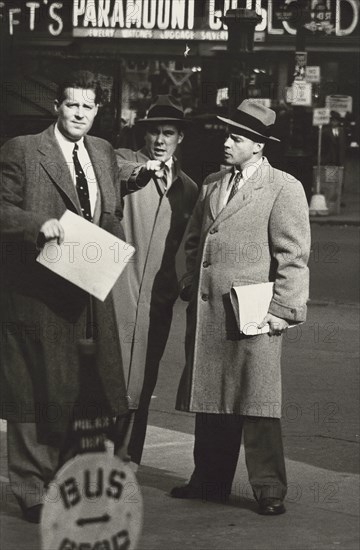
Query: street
pixel 320 425
pixel 334 263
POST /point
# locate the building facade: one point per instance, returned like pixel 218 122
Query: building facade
pixel 139 48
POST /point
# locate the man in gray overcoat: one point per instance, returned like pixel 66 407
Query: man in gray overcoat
pixel 42 315
pixel 250 225
pixel 155 218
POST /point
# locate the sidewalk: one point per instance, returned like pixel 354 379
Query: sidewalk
pixel 350 200
pixel 322 509
pixel 321 444
pixel 349 213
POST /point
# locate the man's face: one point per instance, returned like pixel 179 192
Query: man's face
pixel 76 113
pixel 239 150
pixel 161 141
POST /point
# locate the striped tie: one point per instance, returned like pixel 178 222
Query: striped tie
pixel 166 177
pixel 235 185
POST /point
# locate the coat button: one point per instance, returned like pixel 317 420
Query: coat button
pixel 205 297
pixel 206 264
pixel 213 230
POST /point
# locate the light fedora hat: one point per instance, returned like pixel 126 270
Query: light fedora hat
pixel 165 108
pixel 252 120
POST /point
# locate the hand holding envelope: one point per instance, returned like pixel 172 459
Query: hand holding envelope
pixel 251 304
pixel 89 257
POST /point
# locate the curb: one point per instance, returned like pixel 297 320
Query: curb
pixel 329 303
pixel 326 221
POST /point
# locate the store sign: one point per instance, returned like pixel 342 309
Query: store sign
pixel 172 19
pixel 47 16
pixel 340 103
pixel 175 19
pixel 300 94
pixel 321 117
pixel 312 74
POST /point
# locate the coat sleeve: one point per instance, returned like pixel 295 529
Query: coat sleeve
pixel 14 220
pixel 289 235
pixel 131 171
pixel 192 242
pixel 118 229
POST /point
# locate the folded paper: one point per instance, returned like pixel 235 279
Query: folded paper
pixel 90 257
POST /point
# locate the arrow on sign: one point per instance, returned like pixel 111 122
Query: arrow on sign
pixel 86 521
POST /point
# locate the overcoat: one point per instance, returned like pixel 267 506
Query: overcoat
pixel 154 223
pixel 42 315
pixel 261 235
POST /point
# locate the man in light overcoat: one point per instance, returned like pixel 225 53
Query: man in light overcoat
pixel 155 218
pixel 250 225
pixel 42 315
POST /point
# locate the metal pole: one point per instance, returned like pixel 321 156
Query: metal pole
pixel 241 24
pixel 318 186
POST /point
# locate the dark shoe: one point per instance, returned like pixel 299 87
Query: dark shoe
pixel 186 491
pixel 271 507
pixel 33 514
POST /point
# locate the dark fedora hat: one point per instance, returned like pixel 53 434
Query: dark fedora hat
pixel 252 120
pixel 165 108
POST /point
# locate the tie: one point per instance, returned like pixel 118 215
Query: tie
pixel 235 185
pixel 82 186
pixel 166 177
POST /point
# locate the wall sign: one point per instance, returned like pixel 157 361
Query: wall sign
pixel 340 103
pixel 312 74
pixel 300 93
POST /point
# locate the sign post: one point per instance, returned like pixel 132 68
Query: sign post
pixel 94 502
pixel 318 205
pixel 318 182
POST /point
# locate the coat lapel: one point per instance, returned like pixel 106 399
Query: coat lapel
pixel 102 173
pixel 218 192
pixel 248 191
pixel 54 164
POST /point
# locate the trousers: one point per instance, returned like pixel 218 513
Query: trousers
pixel 217 447
pixel 32 464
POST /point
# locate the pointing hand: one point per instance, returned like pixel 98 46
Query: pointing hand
pixel 156 167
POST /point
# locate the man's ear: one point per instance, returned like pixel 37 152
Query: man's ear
pixel 56 105
pixel 96 109
pixel 181 136
pixel 258 147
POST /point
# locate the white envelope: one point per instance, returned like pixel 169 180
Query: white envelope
pixel 251 304
pixel 90 257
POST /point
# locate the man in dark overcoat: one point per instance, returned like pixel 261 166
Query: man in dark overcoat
pixel 42 315
pixel 155 218
pixel 250 225
pixel 333 141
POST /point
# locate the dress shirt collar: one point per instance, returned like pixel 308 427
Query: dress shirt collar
pixel 169 163
pixel 66 145
pixel 248 171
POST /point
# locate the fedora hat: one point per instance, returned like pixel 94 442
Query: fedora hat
pixel 165 108
pixel 252 120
